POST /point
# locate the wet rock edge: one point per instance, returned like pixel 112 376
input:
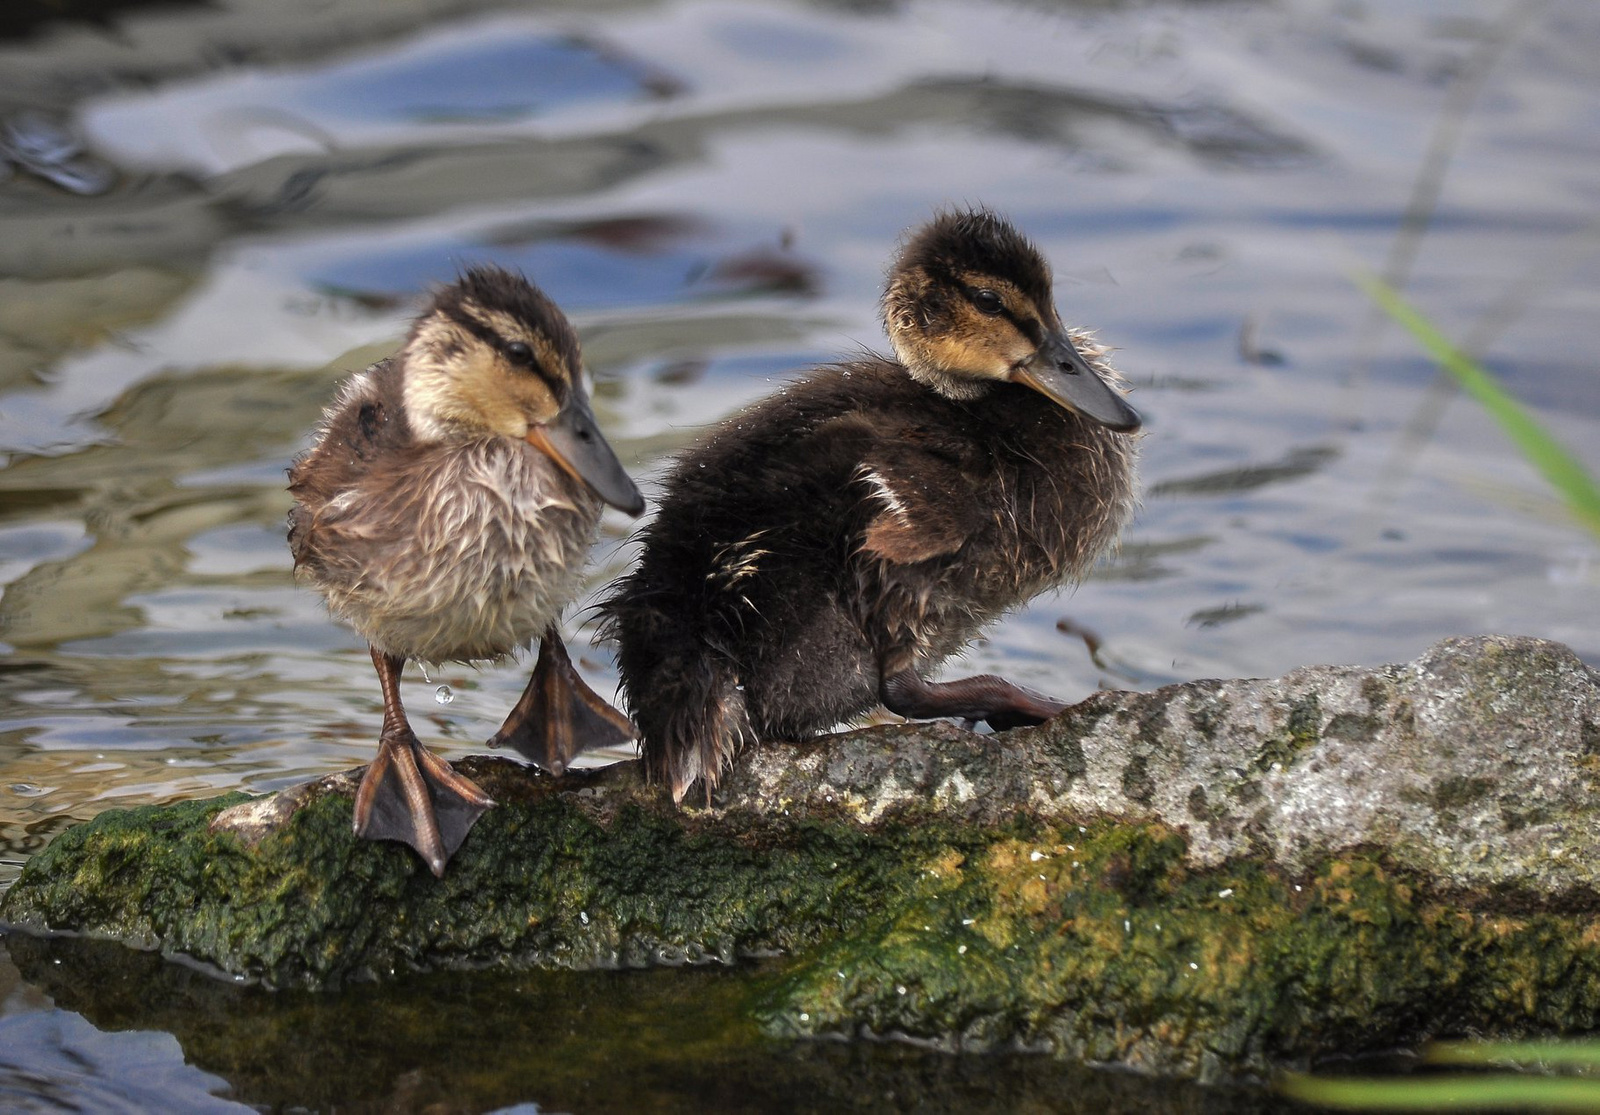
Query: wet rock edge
pixel 1207 881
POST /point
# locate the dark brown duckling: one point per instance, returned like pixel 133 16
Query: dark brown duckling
pixel 445 512
pixel 826 549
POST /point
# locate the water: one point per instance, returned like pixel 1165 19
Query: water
pixel 129 1032
pixel 712 190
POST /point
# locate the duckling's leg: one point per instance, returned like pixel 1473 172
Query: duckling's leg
pixel 984 697
pixel 558 715
pixel 408 793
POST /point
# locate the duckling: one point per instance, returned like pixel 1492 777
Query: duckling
pixel 823 551
pixel 445 511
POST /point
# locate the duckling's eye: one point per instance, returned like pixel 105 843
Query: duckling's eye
pixel 520 352
pixel 988 302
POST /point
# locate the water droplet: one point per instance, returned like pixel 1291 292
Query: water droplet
pixel 443 695
pixel 423 668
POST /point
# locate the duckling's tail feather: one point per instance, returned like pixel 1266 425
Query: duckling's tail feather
pixel 683 695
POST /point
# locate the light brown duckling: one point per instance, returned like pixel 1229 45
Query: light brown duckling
pixel 824 550
pixel 445 511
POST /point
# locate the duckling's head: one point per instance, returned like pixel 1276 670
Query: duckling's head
pixel 968 304
pixel 492 355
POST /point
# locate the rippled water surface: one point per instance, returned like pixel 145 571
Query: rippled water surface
pixel 712 190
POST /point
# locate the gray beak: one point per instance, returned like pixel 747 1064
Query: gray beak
pixel 1061 374
pixel 573 441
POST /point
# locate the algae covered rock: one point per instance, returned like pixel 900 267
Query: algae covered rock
pixel 1203 881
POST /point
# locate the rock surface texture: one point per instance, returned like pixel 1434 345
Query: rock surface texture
pixel 1207 881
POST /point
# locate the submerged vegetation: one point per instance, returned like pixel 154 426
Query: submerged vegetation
pixel 1496 1086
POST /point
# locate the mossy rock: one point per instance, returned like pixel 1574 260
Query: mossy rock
pixel 977 892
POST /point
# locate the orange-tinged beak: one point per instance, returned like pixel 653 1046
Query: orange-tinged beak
pixel 574 442
pixel 1059 372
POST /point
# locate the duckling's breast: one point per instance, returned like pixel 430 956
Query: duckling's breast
pixel 459 552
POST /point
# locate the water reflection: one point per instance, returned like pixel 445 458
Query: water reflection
pixel 57 1061
pixel 617 263
pixel 33 143
pixel 1296 463
pixel 676 1040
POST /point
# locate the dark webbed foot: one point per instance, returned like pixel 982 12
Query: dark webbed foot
pixel 984 697
pixel 408 793
pixel 411 795
pixel 558 715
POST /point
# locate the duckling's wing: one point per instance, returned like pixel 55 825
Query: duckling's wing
pixel 365 423
pixel 919 493
pixel 361 433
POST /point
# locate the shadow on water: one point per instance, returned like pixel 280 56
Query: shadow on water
pixel 651 1041
pixel 1297 463
pixel 23 18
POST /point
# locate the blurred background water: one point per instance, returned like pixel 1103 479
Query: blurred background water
pixel 210 213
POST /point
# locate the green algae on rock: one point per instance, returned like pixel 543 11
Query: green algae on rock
pixel 1337 860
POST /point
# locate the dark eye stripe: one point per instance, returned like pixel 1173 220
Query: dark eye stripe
pixel 1029 327
pixel 495 341
pixel 481 331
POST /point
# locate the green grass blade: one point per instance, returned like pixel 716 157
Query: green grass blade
pixel 1564 471
pixel 1446 1093
pixel 1548 1052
